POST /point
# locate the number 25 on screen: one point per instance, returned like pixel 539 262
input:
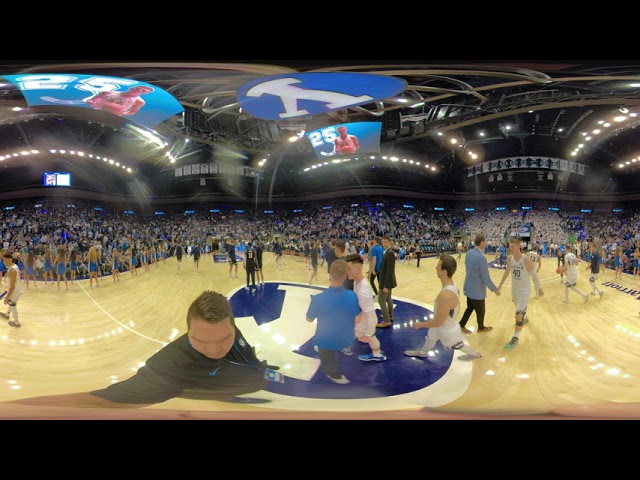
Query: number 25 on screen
pixel 326 135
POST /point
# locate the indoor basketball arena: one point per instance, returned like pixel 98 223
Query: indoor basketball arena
pixel 272 241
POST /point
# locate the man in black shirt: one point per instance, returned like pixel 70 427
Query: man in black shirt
pixel 258 250
pixel 250 265
pixel 211 361
pixel 179 252
pixel 231 255
pixel 594 266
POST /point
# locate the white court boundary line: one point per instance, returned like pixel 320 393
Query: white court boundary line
pixel 118 321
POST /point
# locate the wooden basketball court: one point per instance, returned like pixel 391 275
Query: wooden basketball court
pixel 569 355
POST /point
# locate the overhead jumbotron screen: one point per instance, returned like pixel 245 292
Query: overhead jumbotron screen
pixel 144 104
pixel 56 179
pixel 346 139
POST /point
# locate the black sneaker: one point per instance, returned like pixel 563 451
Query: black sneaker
pixel 14 324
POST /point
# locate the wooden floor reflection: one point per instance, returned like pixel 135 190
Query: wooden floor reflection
pixel 571 358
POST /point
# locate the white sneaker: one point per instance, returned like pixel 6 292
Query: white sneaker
pixel 469 357
pixel 342 380
pixel 416 353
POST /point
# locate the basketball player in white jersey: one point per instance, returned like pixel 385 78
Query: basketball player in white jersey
pixel 459 248
pixel 12 294
pixel 367 319
pixel 444 326
pixel 521 269
pixel 571 269
pixel 536 258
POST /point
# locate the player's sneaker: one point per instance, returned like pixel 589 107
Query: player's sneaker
pixel 469 357
pixel 371 358
pixel 416 353
pixel 512 343
pixel 342 380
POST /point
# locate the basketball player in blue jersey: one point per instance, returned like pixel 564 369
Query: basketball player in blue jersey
pixel 11 296
pixel 521 268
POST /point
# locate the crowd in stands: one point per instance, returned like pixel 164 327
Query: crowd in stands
pixel 42 226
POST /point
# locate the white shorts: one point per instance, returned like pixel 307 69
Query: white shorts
pixel 367 326
pixel 13 299
pixel 521 299
pixel 449 337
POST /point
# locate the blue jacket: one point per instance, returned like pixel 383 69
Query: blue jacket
pixel 477 279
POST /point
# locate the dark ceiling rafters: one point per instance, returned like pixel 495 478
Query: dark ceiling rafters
pixel 456 99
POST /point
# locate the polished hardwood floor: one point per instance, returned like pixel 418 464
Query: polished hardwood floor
pixel 573 359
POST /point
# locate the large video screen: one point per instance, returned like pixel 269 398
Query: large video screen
pixel 144 104
pixel 346 139
pixel 56 179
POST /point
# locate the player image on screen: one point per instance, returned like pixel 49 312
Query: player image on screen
pixel 124 103
pixel 346 144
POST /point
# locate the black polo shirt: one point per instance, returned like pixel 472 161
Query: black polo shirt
pixel 178 370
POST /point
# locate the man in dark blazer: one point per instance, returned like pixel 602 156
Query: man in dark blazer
pixel 387 282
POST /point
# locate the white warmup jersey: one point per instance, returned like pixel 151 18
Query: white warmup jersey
pixel 520 283
pixel 572 269
pixel 449 333
pixel 366 326
pixel 16 292
pixel 534 257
